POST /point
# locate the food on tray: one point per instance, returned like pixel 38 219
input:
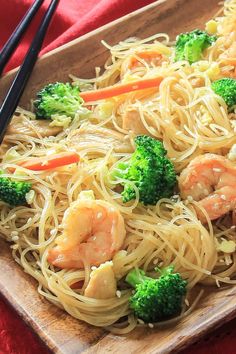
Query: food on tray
pixel 118 193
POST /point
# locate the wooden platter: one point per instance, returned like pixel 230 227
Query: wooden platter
pixel 61 332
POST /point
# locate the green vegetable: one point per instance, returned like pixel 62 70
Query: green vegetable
pixel 150 171
pixel 156 299
pixel 57 99
pixel 226 88
pixel 189 46
pixel 13 192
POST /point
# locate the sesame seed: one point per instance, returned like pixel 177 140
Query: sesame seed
pixel 186 302
pixel 140 321
pixel 99 215
pixel 14 233
pixel 216 169
pixel 15 238
pixel 44 163
pixel 233 227
pixel 53 232
pixel 118 293
pixel 93 268
pixel 190 198
pixel 223 197
pixel 205 191
pixel 151 325
pixel 228 260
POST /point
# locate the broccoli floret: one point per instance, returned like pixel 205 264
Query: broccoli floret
pixel 58 98
pixel 13 192
pixel 156 299
pixel 189 46
pixel 226 88
pixel 149 169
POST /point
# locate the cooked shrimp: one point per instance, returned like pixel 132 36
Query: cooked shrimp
pixel 211 180
pixel 93 230
pixel 102 283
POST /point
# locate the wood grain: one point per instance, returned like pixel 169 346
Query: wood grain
pixel 62 333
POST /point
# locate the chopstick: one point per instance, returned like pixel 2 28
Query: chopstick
pixel 16 36
pixel 15 92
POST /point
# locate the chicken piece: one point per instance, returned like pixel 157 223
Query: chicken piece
pixel 34 128
pixel 102 283
pixel 132 121
pixel 95 135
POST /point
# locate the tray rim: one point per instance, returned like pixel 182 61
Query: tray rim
pixel 21 312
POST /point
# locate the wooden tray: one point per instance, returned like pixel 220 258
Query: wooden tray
pixel 62 333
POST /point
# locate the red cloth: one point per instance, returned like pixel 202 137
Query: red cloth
pixel 72 19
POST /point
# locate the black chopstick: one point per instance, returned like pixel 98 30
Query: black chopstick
pixel 14 94
pixel 15 38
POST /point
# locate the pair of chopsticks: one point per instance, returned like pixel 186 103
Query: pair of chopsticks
pixel 17 87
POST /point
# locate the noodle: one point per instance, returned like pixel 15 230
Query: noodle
pixel 189 118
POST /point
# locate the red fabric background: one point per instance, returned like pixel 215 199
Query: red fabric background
pixel 73 18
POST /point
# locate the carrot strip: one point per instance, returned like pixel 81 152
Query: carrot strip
pixel 50 162
pixel 229 61
pixel 120 89
pixel 148 56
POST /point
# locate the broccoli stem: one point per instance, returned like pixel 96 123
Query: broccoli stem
pixel 135 277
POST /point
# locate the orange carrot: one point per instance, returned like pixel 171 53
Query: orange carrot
pixel 120 89
pixel 148 56
pixel 50 162
pixel 229 61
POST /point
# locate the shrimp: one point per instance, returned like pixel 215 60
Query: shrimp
pixel 93 230
pixel 211 180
